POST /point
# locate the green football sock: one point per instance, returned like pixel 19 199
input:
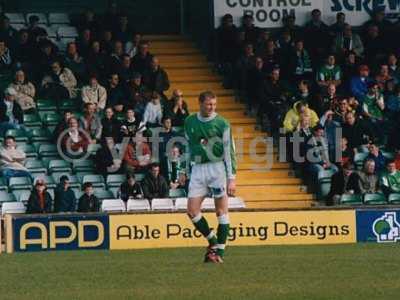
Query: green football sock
pixel 222 234
pixel 201 224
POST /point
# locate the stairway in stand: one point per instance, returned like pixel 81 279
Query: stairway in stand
pixel 189 71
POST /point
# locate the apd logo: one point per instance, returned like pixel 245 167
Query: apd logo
pixel 386 228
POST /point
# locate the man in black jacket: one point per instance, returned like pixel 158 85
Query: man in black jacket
pixel 130 189
pixel 64 196
pixel 355 132
pixel 88 202
pixel 156 78
pixel 11 115
pixel 39 201
pixel 343 182
pixel 154 184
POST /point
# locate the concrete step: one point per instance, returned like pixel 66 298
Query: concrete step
pixel 271 189
pixel 183 58
pixel 204 86
pixel 255 165
pixel 187 65
pixel 196 92
pixel 258 196
pixel 189 72
pixel 248 174
pixel 268 181
pixel 279 204
pixel 177 79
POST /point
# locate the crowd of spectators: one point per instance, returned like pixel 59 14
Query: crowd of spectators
pixel 309 81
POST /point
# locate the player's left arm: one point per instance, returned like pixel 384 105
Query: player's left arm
pixel 230 159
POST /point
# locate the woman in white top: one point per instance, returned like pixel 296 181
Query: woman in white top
pixel 94 93
pixel 25 92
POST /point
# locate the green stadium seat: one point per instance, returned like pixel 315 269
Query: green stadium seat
pixel 40 135
pixel 96 180
pixel 48 150
pixel 32 120
pixel 20 135
pixel 50 182
pixel 46 105
pixel 375 199
pixel 59 18
pixel 177 193
pixel 20 183
pixel 388 155
pixel 29 150
pixel 68 104
pixel 83 166
pixel 115 180
pixel 103 194
pixel 115 191
pixel 35 166
pixel 7 197
pixel 178 129
pixel 3 185
pixel 51 119
pixel 326 174
pixel 93 148
pixel 59 166
pixel 120 116
pixel 359 159
pixel 394 198
pixel 139 176
pixel 22 195
pixel 324 188
pixel 351 199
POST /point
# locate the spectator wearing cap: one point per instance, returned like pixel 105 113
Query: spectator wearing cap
pixel 153 113
pixel 110 126
pixel 343 182
pixel 64 196
pixel 25 92
pixel 116 95
pixel 75 62
pixel 94 93
pixel 177 109
pixel 142 60
pixel 138 94
pixel 11 114
pixel 346 42
pixel 156 78
pixel 390 179
pixel 12 160
pixel 359 83
pixel 6 59
pixel 88 202
pixel 40 201
pixel 130 189
pixel 154 184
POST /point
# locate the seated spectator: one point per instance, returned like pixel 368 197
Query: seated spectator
pixel 137 156
pixel 271 57
pixel 88 202
pixel 367 180
pixel 329 73
pixel 108 160
pixel 166 134
pixel 299 64
pixel 130 189
pixel 90 122
pixel 316 35
pixel 88 20
pixel 132 46
pixel 12 160
pixel 96 60
pixel 62 125
pixel 40 201
pixel 142 60
pixel 42 61
pixel 255 80
pixel 110 126
pixel 340 108
pixel 347 152
pixel 347 42
pixel 349 70
pixel 175 169
pixel 6 60
pixel 153 113
pixel 7 32
pixel 303 93
pixel 84 41
pixel 373 110
pixel 74 62
pixel 376 155
pixel 138 95
pixel 394 68
pixel 393 104
pixel 292 117
pixel 124 69
pixel 74 142
pixel 60 84
pixel 355 132
pixel 35 31
pixel 390 179
pixel 115 58
pixel 131 125
pixel 122 30
pixel 303 132
pixel 106 44
pixel 11 115
pixel 325 101
pixel 116 96
pixel 383 77
pixel 64 196
pixel 177 108
pixel 154 184
pixel 317 154
pixel 25 92
pixel 94 93
pixel 156 78
pixel 251 31
pixel 343 182
pixel 23 50
pixel 359 83
pixel 374 45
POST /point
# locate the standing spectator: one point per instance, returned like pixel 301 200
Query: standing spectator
pixel 132 46
pixel 329 73
pixel 74 62
pixel 12 160
pixel 6 60
pixel 330 127
pixel 339 26
pixel 110 126
pixel 88 202
pixel 142 60
pixel 94 93
pixel 368 182
pixel 130 189
pixel 90 122
pixel 106 44
pixel 390 180
pixel 347 42
pixel 39 201
pixel 359 83
pixel 156 79
pixel 177 108
pixel 64 196
pixel 153 113
pixel 60 83
pixel 116 97
pixel 243 65
pixel 255 80
pixel 25 92
pixel 11 115
pixel 250 30
pixel 344 182
pixel 154 184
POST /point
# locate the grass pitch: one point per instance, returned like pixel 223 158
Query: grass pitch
pixel 362 271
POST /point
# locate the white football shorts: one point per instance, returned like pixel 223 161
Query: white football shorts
pixel 208 179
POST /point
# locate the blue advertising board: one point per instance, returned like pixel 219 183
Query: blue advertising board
pixel 379 226
pixel 60 232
